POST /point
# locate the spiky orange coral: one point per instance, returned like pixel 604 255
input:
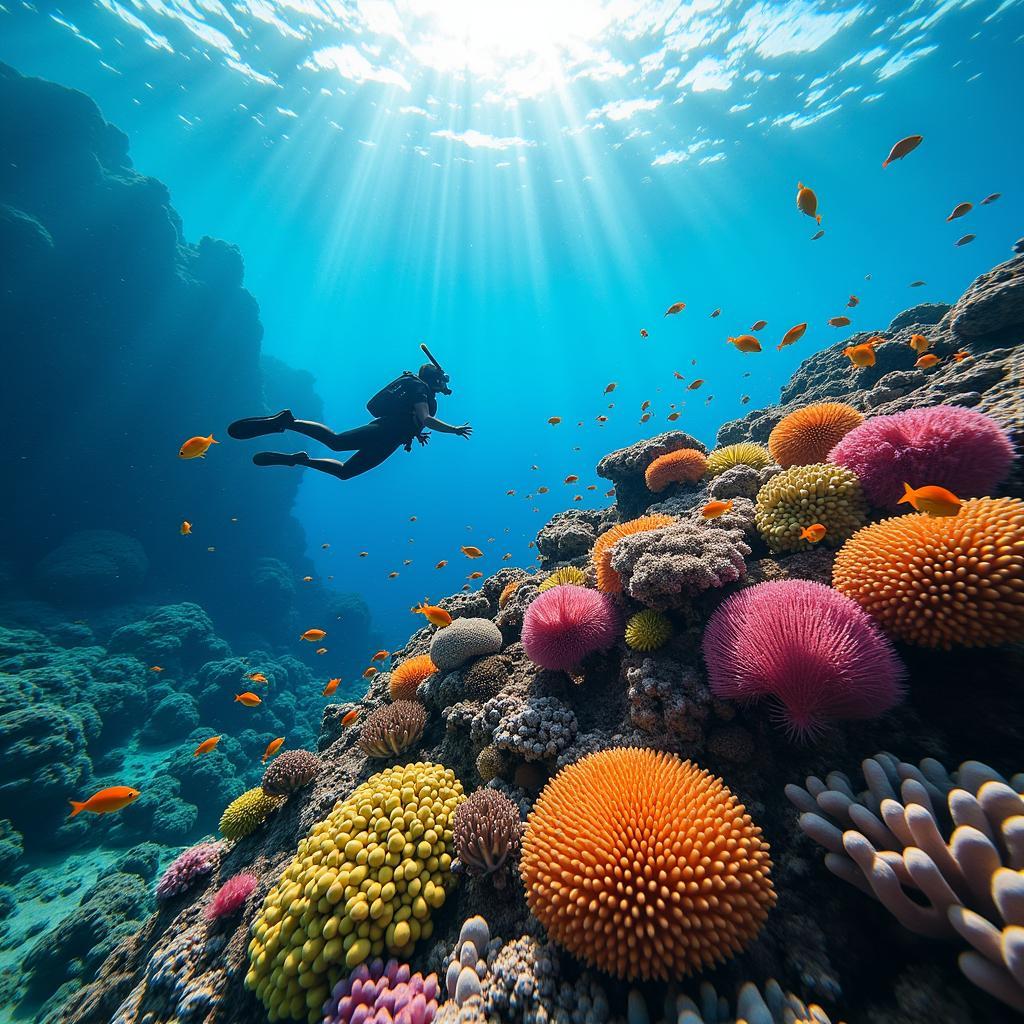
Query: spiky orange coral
pixel 645 866
pixel 809 434
pixel 941 581
pixel 685 465
pixel 507 591
pixel 608 579
pixel 409 675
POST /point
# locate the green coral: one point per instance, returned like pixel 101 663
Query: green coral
pixel 648 630
pixel 568 574
pixel 362 884
pixel 804 495
pixel 744 453
pixel 246 813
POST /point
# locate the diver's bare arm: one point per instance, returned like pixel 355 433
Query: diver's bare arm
pixel 425 420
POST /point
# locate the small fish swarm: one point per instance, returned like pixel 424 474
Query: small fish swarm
pixel 408 676
pixel 246 813
pixel 609 861
pixel 381 993
pixel 648 630
pixel 231 897
pixel 685 465
pixel 567 574
pixel 812 651
pixel 290 771
pixel 809 434
pixel 565 624
pixel 392 728
pixel 949 581
pixel 487 831
pixel 608 579
pixel 743 453
pixel 187 868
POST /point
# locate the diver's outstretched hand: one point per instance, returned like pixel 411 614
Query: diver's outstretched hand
pixel 423 437
pixel 464 431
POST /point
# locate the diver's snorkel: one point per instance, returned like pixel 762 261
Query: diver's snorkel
pixel 444 389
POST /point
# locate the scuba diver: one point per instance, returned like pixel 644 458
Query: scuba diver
pixel 401 411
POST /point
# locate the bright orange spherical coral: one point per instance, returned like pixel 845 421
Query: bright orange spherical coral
pixel 941 581
pixel 409 675
pixel 809 434
pixel 645 866
pixel 685 465
pixel 608 579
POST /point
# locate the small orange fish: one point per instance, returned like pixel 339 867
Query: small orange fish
pixel 714 509
pixel 248 699
pixel 370 672
pixel 570 479
pixel 927 362
pixel 578 497
pixel 542 490
pixel 673 416
pixel 959 357
pixel 860 355
pixel 959 211
pixel 840 321
pixel 510 494
pixel 610 493
pixel 156 668
pixel 591 487
pixel 471 552
pixel 716 312
pixel 349 717
pixel 392 575
pixel 185 529
pixel 320 650
pixel 813 534
pixel 434 614
pixel 441 564
pixel 902 148
pixel 676 307
pixel 313 635
pixel 609 388
pixel 934 501
pixel 746 343
pixel 272 748
pixel 474 576
pixel 696 384
pixel 645 406
pixel 206 746
pixel 919 343
pixel 332 685
pixel 507 556
pixel 793 335
pixel 852 301
pixel 307 579
pixel 380 656
pixel 807 201
pixel 602 419
pixel 196 447
pixel 106 801
pixel 646 416
pixel 412 519
pixel 759 325
pixel 677 375
pixel 554 420
pixel 643 333
pixel 257 677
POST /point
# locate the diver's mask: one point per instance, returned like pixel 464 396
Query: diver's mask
pixel 443 377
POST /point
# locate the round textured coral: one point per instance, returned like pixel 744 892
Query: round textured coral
pixel 366 879
pixel 608 579
pixel 743 453
pixel 809 434
pixel 187 868
pixel 805 495
pixel 683 466
pixel 941 581
pixel 231 896
pixel 453 646
pixel 245 814
pixel 962 450
pixel 648 630
pixel 290 771
pixel 487 832
pixel 815 653
pixel 408 676
pixel 567 574
pixel 380 993
pixel 565 624
pixel 392 728
pixel 645 866
pixel 489 763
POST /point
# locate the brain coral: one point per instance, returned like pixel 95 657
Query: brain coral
pixel 289 772
pixel 245 814
pixel 648 630
pixel 805 495
pixel 941 582
pixel 645 866
pixel 808 648
pixel 567 574
pixel 743 453
pixel 453 646
pixel 607 578
pixel 364 880
pixel 407 676
pixel 381 993
pixel 943 445
pixel 487 833
pixel 565 624
pixel 809 434
pixel 687 465
pixel 187 868
pixel 392 728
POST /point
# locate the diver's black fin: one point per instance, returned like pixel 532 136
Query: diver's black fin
pixel 280 458
pixel 257 426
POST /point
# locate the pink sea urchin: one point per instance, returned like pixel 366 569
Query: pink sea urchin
pixel 565 624
pixel 230 896
pixel 947 446
pixel 810 648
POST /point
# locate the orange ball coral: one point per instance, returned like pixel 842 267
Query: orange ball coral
pixel 685 465
pixel 608 579
pixel 645 866
pixel 941 581
pixel 809 434
pixel 409 675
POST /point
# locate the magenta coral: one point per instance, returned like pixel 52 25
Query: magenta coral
pixel 947 446
pixel 383 994
pixel 565 624
pixel 187 868
pixel 815 652
pixel 230 896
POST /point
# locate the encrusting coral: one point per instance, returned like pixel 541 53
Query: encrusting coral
pixel 648 630
pixel 536 729
pixel 939 874
pixel 364 880
pixel 815 653
pixel 392 729
pixel 685 465
pixel 609 857
pixel 487 831
pixel 290 771
pixel 608 579
pixel 380 993
pixel 566 623
pixel 246 813
pixel 820 493
pixel 743 453
pixel 453 646
pixel 941 581
pixel 405 678
pixel 567 574
pixel 807 435
pixel 188 868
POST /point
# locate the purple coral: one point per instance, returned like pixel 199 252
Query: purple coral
pixel 813 650
pixel 565 624
pixel 231 896
pixel 187 868
pixel 947 446
pixel 383 994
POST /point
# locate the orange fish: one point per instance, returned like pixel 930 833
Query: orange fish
pixel 673 416
pixel 677 375
pixel 257 677
pixel 807 201
pixel 794 334
pixel 714 509
pixel 185 529
pixel 471 552
pixel 313 635
pixel 696 384
pixel 156 668
pixel 507 556
pixel 746 343
pixel 927 362
pixel 106 801
pixel 959 210
pixel 646 416
pixel 370 672
pixel 441 564
pixel 860 355
pixel 570 479
pixel 248 699
pixel 813 534
pixel 510 494
pixel 676 307
pixel 349 717
pixel 474 576
pixel 902 148
pixel 646 405
pixel 392 575
pixel 852 301
pixel 380 656
pixel 934 501
pixel 542 490
pixel 759 325
pixel 196 447
pixel 643 333
pixel 434 614
pixel 717 312
pixel 320 650
pixel 412 519
pixel 332 685
pixel 610 493
pixel 919 343
pixel 206 746
pixel 554 420
pixel 959 357
pixel 610 388
pixel 578 497
pixel 591 487
pixel 840 321
pixel 272 748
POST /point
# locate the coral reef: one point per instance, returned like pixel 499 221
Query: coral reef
pixel 627 467
pixel 740 482
pixel 453 646
pixel 773 1006
pixel 487 833
pixel 608 579
pixel 407 676
pixel 488 763
pixel 245 814
pixel 731 456
pixel 807 435
pixel 648 630
pixel 188 868
pixel 92 567
pixel 290 771
pixel 380 993
pixel 565 624
pixel 683 466
pixel 231 896
pixel 536 729
pixel 467 967
pixel 567 574
pixel 392 728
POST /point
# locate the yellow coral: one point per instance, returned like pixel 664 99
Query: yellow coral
pixel 648 630
pixel 364 881
pixel 744 453
pixel 567 574
pixel 246 813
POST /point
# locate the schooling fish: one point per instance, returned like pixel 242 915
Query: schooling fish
pixel 807 201
pixel 696 384
pixel 917 284
pixel 717 312
pixel 313 635
pixel 676 307
pixel 602 419
pixel 543 490
pixel 257 677
pixel 959 357
pixel 744 399
pixel 813 534
pixel 965 239
pixel 272 748
pixel 853 301
pixel 325 546
pixel 677 375
pixel 860 355
pixel 510 493
pixel 206 746
pixel 349 717
pixel 991 199
pixel 820 233
pixel 610 493
pixel 248 699
pixel 643 333
pixel 106 801
pixel 609 388
pixel 320 650
pixel 307 579
pixel 554 420
pixel 793 335
pixel 156 668
pixel 185 529
pixel 570 479
pixel 673 416
pixel 392 575
pixel 380 656
pixel 714 509
pixel 363 554
pixel 746 343
pixel 370 672
pixel 919 343
pixel 441 564
pixel 412 519
pixel 645 405
pixel 934 501
pixel 471 552
pixel 759 325
pixel 927 362
pixel 840 321
pixel 434 614
pixel 332 685
pixel 902 148
pixel 507 556
pixel 959 211
pixel 646 416
pixel 475 575
pixel 196 447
